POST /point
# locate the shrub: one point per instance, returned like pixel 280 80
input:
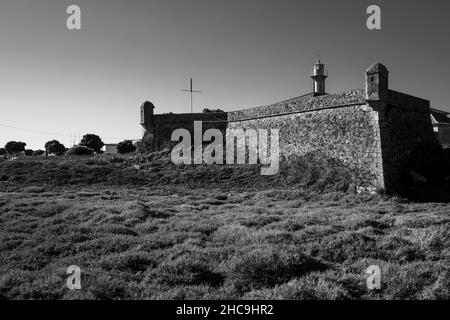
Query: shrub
pixel 28 152
pixel 93 142
pixel 55 147
pixel 206 110
pixel 126 146
pixel 38 152
pixel 3 151
pixel 13 147
pixel 79 151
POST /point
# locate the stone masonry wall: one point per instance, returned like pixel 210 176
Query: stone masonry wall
pixel 305 102
pixel 349 134
pixel 159 132
pixel 405 123
pixel 373 137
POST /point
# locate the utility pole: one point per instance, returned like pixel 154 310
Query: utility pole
pixel 192 98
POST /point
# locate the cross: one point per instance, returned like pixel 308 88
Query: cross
pixel 192 91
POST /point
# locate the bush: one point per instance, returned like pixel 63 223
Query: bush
pixel 28 152
pixel 13 147
pixel 55 147
pixel 79 151
pixel 126 146
pixel 206 110
pixel 93 142
pixel 38 153
pixel 3 151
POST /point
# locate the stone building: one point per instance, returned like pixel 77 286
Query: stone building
pixel 371 130
pixel 441 126
pixel 110 148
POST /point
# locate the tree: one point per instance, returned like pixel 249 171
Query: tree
pixel 92 141
pixel 38 152
pixel 28 152
pixel 55 147
pixel 126 146
pixel 79 151
pixel 3 151
pixel 206 110
pixel 14 147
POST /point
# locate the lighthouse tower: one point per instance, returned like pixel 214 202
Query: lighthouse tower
pixel 319 75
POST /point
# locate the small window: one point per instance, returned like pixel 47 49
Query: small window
pixel 372 79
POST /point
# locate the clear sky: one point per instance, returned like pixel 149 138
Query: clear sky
pixel 240 53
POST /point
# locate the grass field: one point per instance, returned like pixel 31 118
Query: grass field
pixel 165 232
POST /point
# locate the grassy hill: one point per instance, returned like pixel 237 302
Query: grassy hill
pixel 144 228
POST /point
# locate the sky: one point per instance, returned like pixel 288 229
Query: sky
pixel 61 84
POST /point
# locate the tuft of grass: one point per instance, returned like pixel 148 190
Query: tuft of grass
pixel 128 261
pixel 188 271
pixel 261 268
pixel 417 280
pixel 50 210
pixel 343 247
pixel 34 189
pixel 314 286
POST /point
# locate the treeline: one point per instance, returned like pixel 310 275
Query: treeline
pixel 89 144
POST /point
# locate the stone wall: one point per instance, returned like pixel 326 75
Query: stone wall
pixel 373 138
pixel 305 102
pixel 349 134
pixel 405 124
pixel 159 131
